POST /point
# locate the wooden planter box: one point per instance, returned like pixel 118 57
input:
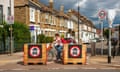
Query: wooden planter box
pixel 72 57
pixel 35 53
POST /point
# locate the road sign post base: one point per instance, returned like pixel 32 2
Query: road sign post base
pixel 109 59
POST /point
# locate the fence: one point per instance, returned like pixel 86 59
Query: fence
pixel 5 46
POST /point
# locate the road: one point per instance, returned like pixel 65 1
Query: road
pixel 96 63
pixel 65 70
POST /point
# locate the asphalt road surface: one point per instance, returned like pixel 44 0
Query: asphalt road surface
pixel 65 70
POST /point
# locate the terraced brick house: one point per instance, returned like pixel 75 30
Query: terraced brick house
pixel 46 20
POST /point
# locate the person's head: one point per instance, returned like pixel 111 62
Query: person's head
pixel 57 35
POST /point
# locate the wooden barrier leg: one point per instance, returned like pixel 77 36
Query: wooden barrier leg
pixel 25 63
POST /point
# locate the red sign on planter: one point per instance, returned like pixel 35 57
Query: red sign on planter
pixel 35 51
pixel 75 51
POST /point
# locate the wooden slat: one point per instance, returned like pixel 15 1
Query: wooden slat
pixel 67 60
pixel 35 60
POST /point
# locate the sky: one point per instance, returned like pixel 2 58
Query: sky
pixel 90 8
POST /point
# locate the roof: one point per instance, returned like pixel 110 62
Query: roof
pixel 62 14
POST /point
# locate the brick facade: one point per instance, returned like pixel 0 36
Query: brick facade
pixel 51 21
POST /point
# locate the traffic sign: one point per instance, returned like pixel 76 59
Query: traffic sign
pixel 75 51
pixel 32 27
pixel 102 14
pixel 35 51
pixel 10 19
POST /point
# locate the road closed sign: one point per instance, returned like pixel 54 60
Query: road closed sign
pixel 35 51
pixel 75 51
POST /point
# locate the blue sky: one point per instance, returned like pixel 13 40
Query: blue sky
pixel 90 8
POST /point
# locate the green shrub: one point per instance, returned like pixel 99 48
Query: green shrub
pixel 44 39
pixel 21 32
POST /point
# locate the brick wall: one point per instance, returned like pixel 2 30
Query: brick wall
pixel 20 14
pixel 20 2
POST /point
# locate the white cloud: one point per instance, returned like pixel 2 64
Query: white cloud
pixel 81 3
pixel 89 8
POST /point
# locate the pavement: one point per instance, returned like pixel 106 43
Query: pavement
pixel 15 61
pixel 103 61
pixel 14 58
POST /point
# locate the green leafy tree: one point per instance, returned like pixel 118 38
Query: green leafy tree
pixel 44 39
pixel 21 32
pixel 106 34
pixel 41 38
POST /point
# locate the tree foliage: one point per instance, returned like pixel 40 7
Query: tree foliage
pixel 106 33
pixel 44 39
pixel 21 32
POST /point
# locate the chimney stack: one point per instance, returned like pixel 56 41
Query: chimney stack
pixel 62 8
pixel 69 12
pixel 51 3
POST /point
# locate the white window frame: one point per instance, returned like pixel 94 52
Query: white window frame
pixel 38 11
pixel 54 20
pixel 61 21
pixel 47 18
pixel 51 20
pixel 32 14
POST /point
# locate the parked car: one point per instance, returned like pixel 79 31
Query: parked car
pixel 70 40
pixel 95 40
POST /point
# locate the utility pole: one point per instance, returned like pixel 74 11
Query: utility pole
pixel 78 24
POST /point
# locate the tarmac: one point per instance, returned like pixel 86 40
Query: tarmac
pixel 94 62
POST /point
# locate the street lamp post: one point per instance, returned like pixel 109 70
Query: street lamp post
pixel 111 16
pixel 109 49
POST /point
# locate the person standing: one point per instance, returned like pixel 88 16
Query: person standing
pixel 114 44
pixel 58 46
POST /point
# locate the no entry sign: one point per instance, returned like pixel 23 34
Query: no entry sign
pixel 35 51
pixel 75 51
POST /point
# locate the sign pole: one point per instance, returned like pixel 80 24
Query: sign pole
pixel 101 37
pixel 102 15
pixel 11 42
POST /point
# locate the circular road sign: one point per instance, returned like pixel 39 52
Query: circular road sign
pixel 102 14
pixel 34 51
pixel 75 51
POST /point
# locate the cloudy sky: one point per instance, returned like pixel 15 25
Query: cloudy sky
pixel 90 8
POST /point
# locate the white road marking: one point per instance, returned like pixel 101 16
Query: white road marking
pixel 88 68
pixel 18 69
pixel 70 68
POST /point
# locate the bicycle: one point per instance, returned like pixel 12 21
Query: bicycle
pixel 50 52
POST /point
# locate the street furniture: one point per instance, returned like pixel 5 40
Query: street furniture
pixel 74 54
pixel 35 54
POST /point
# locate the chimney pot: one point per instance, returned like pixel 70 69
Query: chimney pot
pixel 62 8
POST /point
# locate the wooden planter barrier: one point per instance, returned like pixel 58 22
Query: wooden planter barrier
pixel 74 54
pixel 35 53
